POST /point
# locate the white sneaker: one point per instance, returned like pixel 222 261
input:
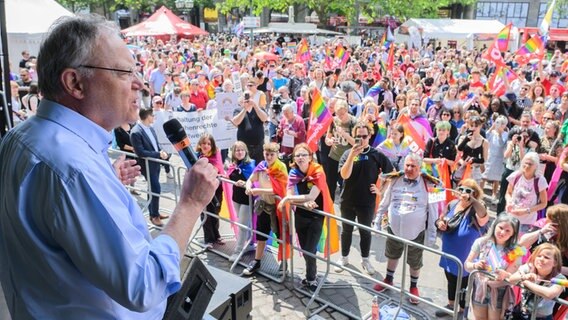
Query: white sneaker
pixel 367 266
pixel 170 175
pixel 344 261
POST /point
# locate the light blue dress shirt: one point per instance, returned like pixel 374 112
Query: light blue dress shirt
pixel 73 242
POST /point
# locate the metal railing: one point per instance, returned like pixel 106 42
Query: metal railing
pixel 314 296
pixel 536 301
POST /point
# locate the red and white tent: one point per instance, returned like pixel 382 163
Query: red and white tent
pixel 164 23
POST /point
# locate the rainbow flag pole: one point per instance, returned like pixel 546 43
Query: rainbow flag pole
pixel 320 120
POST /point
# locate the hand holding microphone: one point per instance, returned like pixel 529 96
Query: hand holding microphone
pixel 179 139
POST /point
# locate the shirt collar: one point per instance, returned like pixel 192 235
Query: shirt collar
pixel 96 137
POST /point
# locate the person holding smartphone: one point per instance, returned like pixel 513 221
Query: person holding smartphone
pixel 249 120
pixel 360 167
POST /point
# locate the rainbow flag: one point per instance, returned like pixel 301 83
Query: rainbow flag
pixel 559 281
pixel 381 134
pixel 390 59
pixel 339 52
pixel 374 90
pixel 503 38
pixel 320 120
pixel 303 53
pixel 535 45
pixel 418 142
pixel 499 83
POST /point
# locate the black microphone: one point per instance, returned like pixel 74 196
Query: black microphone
pixel 179 139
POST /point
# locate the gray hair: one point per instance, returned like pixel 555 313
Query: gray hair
pixel 288 107
pixel 69 43
pixel 414 157
pixel 532 156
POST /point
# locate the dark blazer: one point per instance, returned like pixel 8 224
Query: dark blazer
pixel 143 148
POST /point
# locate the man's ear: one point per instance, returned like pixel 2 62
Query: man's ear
pixel 73 83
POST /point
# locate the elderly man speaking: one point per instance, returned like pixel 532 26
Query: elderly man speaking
pixel 73 242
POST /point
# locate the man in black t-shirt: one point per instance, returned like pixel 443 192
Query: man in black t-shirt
pixel 360 168
pixel 249 121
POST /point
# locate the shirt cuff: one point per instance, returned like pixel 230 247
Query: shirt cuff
pixel 166 251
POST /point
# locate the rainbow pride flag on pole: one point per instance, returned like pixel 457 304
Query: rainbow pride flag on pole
pixel 503 38
pixel 381 134
pixel 303 53
pixel 533 47
pixel 320 120
pixel 375 90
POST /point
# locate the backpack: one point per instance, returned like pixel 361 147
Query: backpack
pixel 535 182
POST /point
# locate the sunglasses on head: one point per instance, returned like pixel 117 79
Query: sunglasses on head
pixel 465 190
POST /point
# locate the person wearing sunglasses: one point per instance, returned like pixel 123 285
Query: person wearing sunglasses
pixel 458 241
pixel 360 167
pixel 307 189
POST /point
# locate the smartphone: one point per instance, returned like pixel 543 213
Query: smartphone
pixel 247 96
pixel 358 141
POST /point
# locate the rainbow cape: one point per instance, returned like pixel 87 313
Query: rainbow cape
pixel 388 148
pixel 278 175
pixel 320 120
pixel 316 176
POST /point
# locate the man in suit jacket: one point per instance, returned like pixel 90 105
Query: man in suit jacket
pixel 145 143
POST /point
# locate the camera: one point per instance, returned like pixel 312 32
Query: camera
pixel 519 138
pixel 277 103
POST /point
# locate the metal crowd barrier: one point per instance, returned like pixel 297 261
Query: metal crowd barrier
pixel 472 276
pixel 314 296
pixel 148 190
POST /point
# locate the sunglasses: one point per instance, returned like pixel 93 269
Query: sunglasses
pixel 364 136
pixel 301 155
pixel 539 101
pixel 446 114
pixel 465 190
pixel 158 102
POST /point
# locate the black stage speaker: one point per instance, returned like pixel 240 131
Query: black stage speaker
pixel 233 299
pixel 191 301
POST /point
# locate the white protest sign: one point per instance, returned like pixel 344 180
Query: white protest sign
pixel 159 118
pixel 226 104
pixel 199 122
pixel 237 85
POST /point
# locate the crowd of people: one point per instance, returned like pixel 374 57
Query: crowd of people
pixel 367 161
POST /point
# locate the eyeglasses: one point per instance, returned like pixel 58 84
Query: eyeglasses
pixel 301 155
pixel 363 136
pixel 465 190
pixel 446 114
pixel 131 71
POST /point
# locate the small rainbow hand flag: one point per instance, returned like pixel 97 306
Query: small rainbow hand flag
pixel 560 282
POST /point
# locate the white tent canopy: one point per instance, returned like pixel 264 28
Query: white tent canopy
pixel 26 23
pixel 451 29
